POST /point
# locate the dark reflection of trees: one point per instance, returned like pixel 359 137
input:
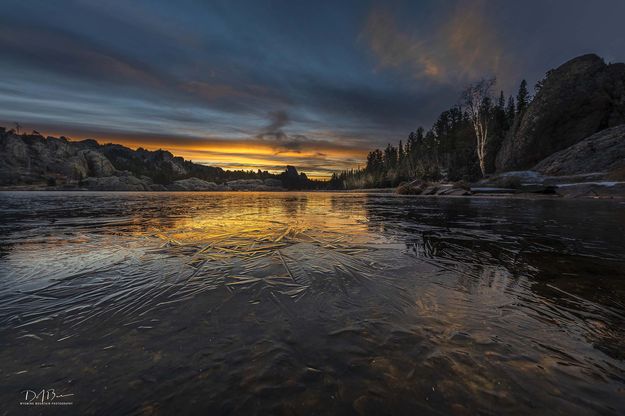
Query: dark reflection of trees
pixel 570 261
pixel 501 232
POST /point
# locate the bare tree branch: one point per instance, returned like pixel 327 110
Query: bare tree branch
pixel 477 99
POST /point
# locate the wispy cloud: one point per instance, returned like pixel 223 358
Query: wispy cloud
pixel 463 47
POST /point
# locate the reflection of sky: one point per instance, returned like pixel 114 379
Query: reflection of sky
pixel 263 84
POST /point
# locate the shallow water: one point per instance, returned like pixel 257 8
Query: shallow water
pixel 311 303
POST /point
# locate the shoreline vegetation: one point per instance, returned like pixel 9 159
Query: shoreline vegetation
pixel 568 140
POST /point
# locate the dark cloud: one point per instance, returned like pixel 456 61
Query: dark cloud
pixel 277 120
pixel 378 110
pixel 275 134
pixel 60 52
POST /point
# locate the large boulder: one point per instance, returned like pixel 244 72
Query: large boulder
pixel 121 182
pixel 245 184
pixel 600 190
pixel 578 99
pixel 14 159
pixel 601 152
pixel 32 159
pixel 419 187
pixel 275 183
pixel 255 185
pixel 99 165
pixel 194 184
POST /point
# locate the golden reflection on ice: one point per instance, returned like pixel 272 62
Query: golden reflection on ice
pixel 248 226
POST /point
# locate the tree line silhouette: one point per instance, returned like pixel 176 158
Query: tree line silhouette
pixel 460 145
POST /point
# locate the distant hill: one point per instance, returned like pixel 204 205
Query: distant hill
pixel 35 161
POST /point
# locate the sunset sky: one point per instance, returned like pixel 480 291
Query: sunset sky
pixel 262 84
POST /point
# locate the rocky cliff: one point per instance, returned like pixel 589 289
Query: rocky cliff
pixel 603 152
pixel 36 162
pixel 31 159
pixel 578 99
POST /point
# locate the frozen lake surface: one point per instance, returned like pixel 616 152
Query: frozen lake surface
pixel 311 303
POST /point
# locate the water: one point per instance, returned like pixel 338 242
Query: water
pixel 311 303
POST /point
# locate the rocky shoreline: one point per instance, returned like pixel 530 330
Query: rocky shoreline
pixel 129 183
pixel 602 190
pixel 591 168
pixel 524 183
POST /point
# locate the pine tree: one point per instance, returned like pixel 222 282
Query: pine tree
pixel 499 116
pixel 523 97
pixel 510 110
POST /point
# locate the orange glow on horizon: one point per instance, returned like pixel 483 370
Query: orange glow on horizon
pixel 317 161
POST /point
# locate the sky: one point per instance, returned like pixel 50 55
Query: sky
pixel 262 84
